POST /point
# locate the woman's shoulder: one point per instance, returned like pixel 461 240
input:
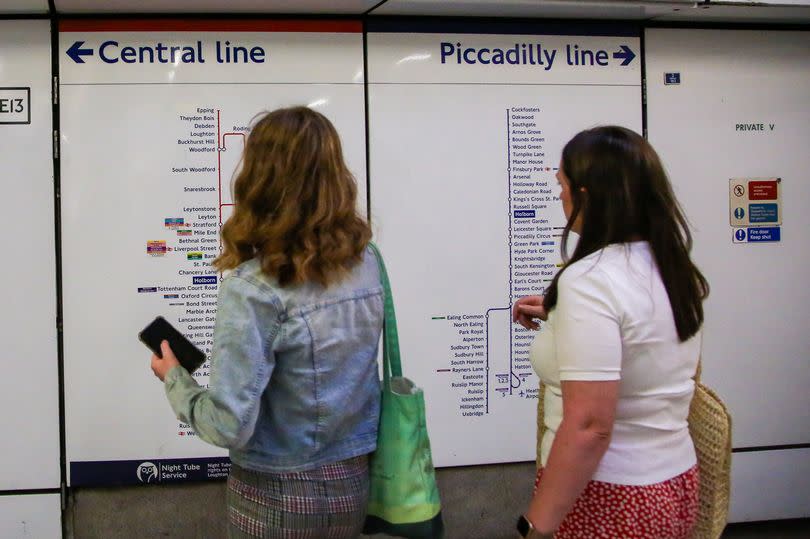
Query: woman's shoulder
pixel 250 272
pixel 613 257
pixel 249 277
pixel 366 273
pixel 589 267
pixel 607 267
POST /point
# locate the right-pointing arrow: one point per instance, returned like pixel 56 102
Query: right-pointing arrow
pixel 76 52
pixel 625 53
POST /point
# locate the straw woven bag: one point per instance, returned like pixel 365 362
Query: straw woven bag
pixel 541 424
pixel 710 428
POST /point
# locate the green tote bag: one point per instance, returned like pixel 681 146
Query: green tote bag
pixel 404 498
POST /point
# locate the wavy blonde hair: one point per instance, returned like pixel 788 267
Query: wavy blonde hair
pixel 294 202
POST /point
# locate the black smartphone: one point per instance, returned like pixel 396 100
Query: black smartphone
pixel 189 356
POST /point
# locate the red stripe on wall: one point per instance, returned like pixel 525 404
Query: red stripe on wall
pixel 236 25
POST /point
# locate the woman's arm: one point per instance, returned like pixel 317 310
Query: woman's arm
pixel 581 440
pixel 242 362
pixel 588 352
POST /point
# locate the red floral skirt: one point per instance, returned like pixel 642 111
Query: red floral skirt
pixel 666 510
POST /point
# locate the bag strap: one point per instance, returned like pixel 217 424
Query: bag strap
pixel 392 364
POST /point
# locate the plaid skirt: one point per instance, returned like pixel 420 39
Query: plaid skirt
pixel 324 503
pixel 666 510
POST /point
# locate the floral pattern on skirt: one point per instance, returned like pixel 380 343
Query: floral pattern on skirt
pixel 666 510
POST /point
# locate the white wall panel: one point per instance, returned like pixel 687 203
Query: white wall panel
pixel 770 485
pixel 23 6
pixel 756 341
pixel 785 11
pixel 213 6
pixel 742 110
pixel 29 417
pixel 609 9
pixel 30 515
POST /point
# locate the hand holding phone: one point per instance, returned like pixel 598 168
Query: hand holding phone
pixel 189 356
pixel 161 366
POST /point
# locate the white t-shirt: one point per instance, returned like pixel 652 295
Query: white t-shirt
pixel 613 321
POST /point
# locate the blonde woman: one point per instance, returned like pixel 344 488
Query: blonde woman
pixel 294 389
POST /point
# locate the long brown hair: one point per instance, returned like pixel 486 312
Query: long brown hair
pixel 628 196
pixel 294 202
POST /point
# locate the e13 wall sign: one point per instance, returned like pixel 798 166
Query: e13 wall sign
pixel 15 105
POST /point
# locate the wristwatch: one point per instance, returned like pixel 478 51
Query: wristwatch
pixel 527 531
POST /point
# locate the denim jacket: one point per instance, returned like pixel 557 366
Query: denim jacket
pixel 294 378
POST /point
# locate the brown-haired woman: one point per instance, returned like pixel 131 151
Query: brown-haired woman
pixel 617 353
pixel 294 389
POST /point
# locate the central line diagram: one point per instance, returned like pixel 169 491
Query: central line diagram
pixel 198 196
pixel 489 355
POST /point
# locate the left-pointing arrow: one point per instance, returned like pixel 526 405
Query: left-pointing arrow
pixel 76 52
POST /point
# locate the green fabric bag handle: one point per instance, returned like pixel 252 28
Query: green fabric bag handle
pixel 392 363
pixel 403 494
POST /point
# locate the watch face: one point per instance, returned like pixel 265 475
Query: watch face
pixel 523 526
